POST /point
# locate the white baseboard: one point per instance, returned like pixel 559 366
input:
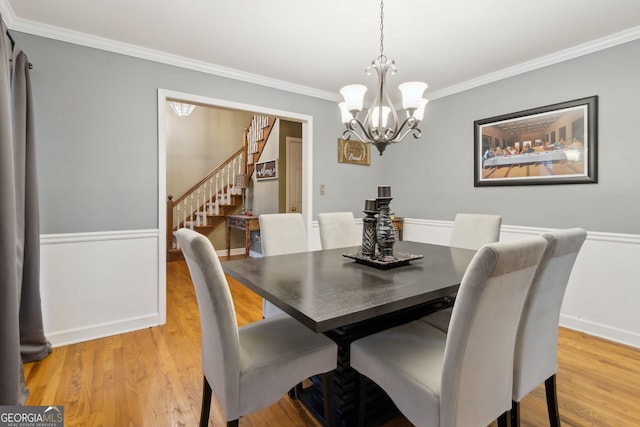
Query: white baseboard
pixel 72 336
pixel 234 251
pixel 599 330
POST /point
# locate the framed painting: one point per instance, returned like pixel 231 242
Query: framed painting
pixel 266 170
pixel 555 144
pixel 354 152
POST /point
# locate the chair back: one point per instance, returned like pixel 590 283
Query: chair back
pixel 472 231
pixel 536 351
pixel 220 339
pixel 477 370
pixel 338 230
pixel 282 233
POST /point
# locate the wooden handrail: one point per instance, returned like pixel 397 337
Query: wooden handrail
pixel 209 175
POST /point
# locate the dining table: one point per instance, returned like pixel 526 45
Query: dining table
pixel 337 293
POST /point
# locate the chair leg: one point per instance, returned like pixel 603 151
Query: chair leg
pixel 515 414
pixel 503 419
pixel 552 401
pixel 295 391
pixel 328 395
pixel 206 403
pixel 233 423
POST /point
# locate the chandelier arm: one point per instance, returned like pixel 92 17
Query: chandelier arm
pixel 410 123
pixel 352 127
pixel 417 133
pixel 352 131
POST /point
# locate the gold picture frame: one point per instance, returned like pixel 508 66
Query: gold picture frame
pixel 354 152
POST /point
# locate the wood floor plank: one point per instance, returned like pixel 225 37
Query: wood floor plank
pixel 153 377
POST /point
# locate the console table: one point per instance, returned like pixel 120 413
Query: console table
pixel 241 222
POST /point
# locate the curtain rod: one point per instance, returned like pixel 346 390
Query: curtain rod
pixel 13 44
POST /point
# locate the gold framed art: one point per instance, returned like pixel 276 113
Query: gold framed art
pixel 353 152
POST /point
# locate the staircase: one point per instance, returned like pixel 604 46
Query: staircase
pixel 206 205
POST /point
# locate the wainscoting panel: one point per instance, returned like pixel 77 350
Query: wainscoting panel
pixel 98 284
pixel 604 287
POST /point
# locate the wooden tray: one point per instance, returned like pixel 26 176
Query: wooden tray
pixel 383 264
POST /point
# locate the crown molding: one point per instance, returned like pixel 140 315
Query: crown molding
pixel 543 61
pixel 87 40
pixel 57 33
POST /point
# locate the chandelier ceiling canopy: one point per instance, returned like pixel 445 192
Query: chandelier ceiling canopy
pixel 381 125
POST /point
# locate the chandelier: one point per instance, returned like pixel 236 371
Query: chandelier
pixel 381 125
pixel 182 109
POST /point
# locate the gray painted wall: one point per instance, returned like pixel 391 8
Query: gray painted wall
pixel 440 183
pixel 96 124
pixel 97 136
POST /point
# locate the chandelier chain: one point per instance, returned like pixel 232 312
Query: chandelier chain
pixel 381 28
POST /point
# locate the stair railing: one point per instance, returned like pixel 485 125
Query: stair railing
pixel 205 198
pixel 217 188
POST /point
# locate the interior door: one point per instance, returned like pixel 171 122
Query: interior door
pixel 294 174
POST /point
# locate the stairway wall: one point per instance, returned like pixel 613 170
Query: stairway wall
pixel 263 195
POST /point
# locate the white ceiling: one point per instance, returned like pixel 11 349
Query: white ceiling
pixel 323 45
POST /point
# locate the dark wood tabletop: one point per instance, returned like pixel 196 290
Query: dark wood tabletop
pixel 324 290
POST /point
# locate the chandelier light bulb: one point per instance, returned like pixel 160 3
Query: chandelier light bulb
pixel 412 94
pixel 353 97
pixel 375 116
pixel 346 115
pixel 419 114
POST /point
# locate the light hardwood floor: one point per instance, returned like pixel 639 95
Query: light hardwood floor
pixel 153 377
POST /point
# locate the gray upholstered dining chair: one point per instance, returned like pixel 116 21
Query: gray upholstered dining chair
pixel 472 231
pixel 280 234
pixel 536 351
pixel 338 230
pixel 251 367
pixel 463 378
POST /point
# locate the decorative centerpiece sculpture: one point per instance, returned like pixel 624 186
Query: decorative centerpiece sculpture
pixel 386 235
pixel 369 229
pixel 378 235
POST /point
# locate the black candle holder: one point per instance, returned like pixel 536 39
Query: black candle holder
pixel 385 234
pixel 369 231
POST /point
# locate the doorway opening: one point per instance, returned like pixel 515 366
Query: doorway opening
pixel 306 173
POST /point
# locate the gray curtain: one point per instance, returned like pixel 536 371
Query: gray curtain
pixel 22 336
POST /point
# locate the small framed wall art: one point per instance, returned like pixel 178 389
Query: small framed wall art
pixel 267 170
pixel 354 152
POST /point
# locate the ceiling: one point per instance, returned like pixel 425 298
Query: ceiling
pixel 324 45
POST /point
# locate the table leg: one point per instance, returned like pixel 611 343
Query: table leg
pixel 247 240
pixel 380 408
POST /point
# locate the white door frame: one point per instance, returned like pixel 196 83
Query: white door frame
pixel 307 170
pixel 288 142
